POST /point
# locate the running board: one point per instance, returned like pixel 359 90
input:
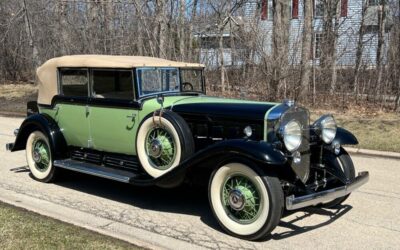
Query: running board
pixel 96 170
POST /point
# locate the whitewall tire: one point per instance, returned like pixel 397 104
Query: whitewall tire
pixel 39 157
pixel 245 204
pixel 162 143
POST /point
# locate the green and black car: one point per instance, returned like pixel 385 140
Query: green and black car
pixel 148 121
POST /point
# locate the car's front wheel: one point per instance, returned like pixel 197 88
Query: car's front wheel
pixel 39 157
pixel 246 203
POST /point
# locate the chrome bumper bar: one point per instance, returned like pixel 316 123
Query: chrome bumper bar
pixel 293 202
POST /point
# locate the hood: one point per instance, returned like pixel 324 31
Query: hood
pixel 222 107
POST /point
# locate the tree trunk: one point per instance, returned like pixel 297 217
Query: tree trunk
pixel 221 57
pixel 31 37
pixel 305 49
pixel 162 28
pixel 63 38
pixel 280 34
pixel 380 46
pixel 192 20
pixel 359 51
pixel 181 30
pixel 328 46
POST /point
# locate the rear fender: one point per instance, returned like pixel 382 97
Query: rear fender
pixel 46 125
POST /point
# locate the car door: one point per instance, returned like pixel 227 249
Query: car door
pixel 113 112
pixel 71 110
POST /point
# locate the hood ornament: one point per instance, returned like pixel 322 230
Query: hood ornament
pixel 288 102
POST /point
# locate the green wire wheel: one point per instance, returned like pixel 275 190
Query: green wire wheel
pixel 241 199
pixel 163 142
pixel 39 157
pixel 160 147
pixel 247 203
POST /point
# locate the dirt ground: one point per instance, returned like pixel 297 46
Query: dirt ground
pixel 13 97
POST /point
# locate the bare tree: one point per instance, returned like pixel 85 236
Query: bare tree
pixel 360 47
pixel 161 30
pixel 31 36
pixel 280 43
pixel 305 49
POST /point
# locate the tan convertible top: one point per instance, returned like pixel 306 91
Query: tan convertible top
pixel 47 73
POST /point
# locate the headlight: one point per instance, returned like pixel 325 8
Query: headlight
pixel 291 133
pixel 326 128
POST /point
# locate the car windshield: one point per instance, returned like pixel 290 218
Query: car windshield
pixel 192 80
pixel 159 80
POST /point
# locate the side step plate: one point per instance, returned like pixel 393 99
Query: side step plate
pixel 96 170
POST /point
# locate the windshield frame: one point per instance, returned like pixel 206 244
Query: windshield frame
pixel 168 92
pixel 203 87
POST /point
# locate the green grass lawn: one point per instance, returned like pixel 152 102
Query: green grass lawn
pixel 21 229
pixel 374 130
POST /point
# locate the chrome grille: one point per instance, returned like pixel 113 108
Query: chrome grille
pixel 301 115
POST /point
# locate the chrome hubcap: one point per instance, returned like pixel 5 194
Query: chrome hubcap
pixel 236 200
pixel 241 199
pixel 160 148
pixel 155 148
pixel 36 156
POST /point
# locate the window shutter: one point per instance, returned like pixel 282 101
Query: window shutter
pixel 295 9
pixel 264 10
pixel 343 8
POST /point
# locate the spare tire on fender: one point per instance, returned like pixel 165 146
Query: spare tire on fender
pixel 163 141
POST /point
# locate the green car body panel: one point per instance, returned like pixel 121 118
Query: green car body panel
pixel 90 126
pixel 73 122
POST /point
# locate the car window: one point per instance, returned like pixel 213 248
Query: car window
pixel 74 82
pixel 156 80
pixel 192 80
pixel 114 84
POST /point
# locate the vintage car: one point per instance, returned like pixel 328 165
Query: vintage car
pixel 148 121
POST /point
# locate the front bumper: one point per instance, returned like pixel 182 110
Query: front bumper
pixel 293 202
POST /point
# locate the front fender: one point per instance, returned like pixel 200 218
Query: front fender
pixel 49 127
pixel 344 137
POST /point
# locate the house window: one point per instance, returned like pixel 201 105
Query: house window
pixel 114 84
pixel 74 82
pixel 319 8
pixel 266 10
pixel 317 45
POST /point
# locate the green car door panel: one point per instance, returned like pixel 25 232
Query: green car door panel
pixel 113 130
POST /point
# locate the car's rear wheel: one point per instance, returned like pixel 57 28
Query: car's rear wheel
pixel 163 142
pixel 39 157
pixel 246 203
